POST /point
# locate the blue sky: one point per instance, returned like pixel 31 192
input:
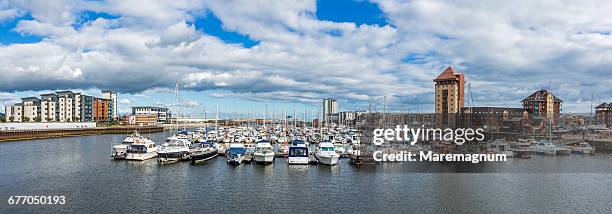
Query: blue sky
pixel 294 53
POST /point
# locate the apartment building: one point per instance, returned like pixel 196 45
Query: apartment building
pixel 62 106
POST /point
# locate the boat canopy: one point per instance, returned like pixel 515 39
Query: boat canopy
pixel 298 151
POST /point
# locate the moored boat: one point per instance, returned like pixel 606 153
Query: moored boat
pixel 298 154
pixel 202 152
pixel 326 154
pixel 235 153
pixel 264 153
pixel 583 148
pixel 119 151
pixel 545 147
pixel 141 150
pixel 174 149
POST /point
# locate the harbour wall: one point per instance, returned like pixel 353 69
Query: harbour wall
pixel 18 135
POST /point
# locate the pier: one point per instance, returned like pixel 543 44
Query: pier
pixel 19 135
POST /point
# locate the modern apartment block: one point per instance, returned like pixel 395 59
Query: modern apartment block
pixel 112 96
pixel 450 87
pixel 48 107
pixel 61 106
pixel 162 114
pixel 102 110
pixel 330 106
pixel 86 109
pixel 31 109
pixel 68 106
pixel 14 113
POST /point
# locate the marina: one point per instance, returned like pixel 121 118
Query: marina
pixel 96 181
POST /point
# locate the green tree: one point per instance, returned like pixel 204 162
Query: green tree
pixel 38 119
pixel 11 119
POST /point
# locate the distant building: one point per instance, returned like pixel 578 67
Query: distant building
pixel 143 120
pixel 604 114
pixel 330 106
pixel 542 102
pixel 112 95
pixel 69 106
pixel 449 96
pixel 61 106
pixel 102 110
pixel 49 107
pixel 87 108
pixel 161 113
pixel 31 109
pixel 14 113
pixel 493 118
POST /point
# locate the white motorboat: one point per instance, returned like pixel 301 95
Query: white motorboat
pixel 339 148
pixel 545 147
pixel 499 146
pixel 119 151
pixel 141 150
pixel 326 154
pixel 235 153
pixel 583 148
pixel 174 149
pixel 282 149
pixel 298 154
pixel 264 153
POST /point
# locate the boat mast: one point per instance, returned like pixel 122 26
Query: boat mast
pixel 217 122
pixel 176 98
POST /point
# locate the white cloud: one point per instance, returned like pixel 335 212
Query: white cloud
pixel 501 49
pixel 124 101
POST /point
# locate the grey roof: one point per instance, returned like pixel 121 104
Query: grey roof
pixel 26 99
pixel 605 105
pixel 63 92
pixel 540 96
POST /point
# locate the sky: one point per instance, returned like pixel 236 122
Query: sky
pixel 251 55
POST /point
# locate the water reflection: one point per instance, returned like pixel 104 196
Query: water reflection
pixel 81 166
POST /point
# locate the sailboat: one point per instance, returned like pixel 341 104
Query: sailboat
pixel 176 147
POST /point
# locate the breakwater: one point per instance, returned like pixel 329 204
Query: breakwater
pixel 58 133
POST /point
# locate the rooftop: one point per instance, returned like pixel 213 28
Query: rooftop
pixel 604 105
pixel 540 96
pixel 149 107
pixel 448 74
pixel 26 99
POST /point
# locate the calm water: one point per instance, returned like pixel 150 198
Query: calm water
pixel 80 169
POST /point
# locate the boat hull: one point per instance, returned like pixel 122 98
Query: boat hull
pixel 171 157
pixel 327 160
pixel 298 160
pixel 202 157
pixel 235 161
pixel 140 156
pixel 119 152
pixel 264 159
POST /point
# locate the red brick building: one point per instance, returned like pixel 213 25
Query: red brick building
pixel 542 102
pixel 450 87
pixel 604 114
